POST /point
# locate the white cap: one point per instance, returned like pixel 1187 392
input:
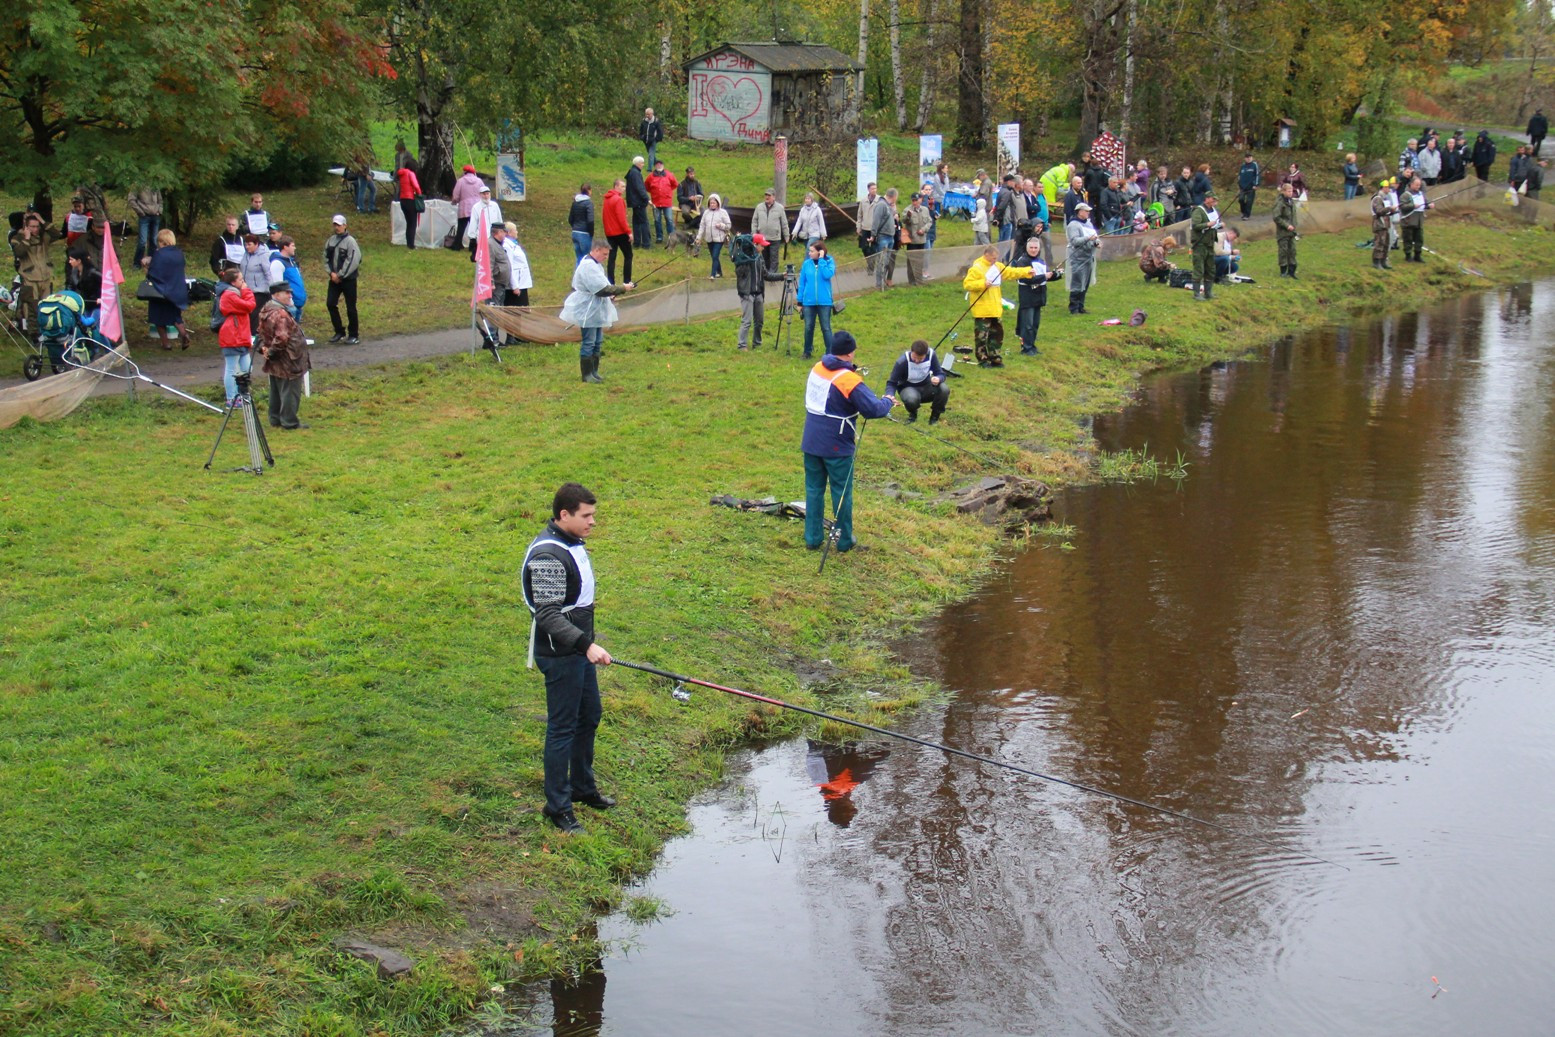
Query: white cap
pixel 339 219
pixel 485 188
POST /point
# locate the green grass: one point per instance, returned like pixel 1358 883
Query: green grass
pixel 242 716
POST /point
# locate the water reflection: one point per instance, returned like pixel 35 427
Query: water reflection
pixel 1335 636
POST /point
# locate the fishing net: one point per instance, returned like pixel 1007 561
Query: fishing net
pixel 55 396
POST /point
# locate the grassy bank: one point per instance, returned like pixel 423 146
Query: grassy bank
pixel 240 717
pixel 404 291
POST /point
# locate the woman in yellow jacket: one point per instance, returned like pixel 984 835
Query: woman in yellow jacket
pixel 984 287
pixel 1055 182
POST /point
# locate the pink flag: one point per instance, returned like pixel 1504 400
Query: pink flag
pixel 110 319
pixel 482 290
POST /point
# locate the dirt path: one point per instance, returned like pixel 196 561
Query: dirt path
pixel 201 364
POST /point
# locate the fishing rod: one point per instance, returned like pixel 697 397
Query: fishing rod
pixel 847 487
pixel 961 318
pixel 655 270
pixel 939 439
pixel 683 696
pixel 834 205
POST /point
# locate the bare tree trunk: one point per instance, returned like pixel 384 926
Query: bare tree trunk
pixel 988 129
pixel 898 88
pixel 666 50
pixel 930 79
pixel 1096 65
pixel 970 116
pixel 1126 115
pixel 863 60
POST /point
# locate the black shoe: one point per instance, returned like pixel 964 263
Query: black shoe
pixel 856 546
pixel 353 341
pixel 934 420
pixel 293 428
pixel 1024 351
pixel 338 337
pixel 911 418
pixel 566 821
pixel 599 801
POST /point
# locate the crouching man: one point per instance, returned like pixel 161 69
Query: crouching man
pixel 918 378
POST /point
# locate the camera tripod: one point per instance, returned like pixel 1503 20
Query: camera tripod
pixel 787 304
pixel 253 432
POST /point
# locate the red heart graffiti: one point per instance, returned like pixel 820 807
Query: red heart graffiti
pixel 734 99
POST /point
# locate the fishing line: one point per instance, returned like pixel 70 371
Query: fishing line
pixel 985 460
pixel 836 530
pixel 683 696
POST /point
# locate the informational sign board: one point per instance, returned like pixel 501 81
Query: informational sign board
pixel 931 148
pixel 1009 147
pixel 730 99
pixel 511 185
pixel 868 165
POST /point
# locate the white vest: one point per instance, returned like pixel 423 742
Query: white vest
pixel 817 391
pixel 580 557
pixel 918 373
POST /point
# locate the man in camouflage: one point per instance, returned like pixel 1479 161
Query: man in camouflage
pixel 1381 220
pixel 1285 235
pixel 1206 226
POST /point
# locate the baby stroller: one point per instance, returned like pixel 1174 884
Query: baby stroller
pixel 67 335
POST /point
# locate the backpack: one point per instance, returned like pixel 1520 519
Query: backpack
pixel 744 250
pixel 217 317
pixel 1180 278
pixel 58 314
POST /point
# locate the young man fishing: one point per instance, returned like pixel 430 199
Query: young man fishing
pixel 835 398
pixel 558 586
pixel 920 379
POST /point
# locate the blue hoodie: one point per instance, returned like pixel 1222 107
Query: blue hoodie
pixel 831 433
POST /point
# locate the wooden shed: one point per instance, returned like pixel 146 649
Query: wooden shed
pixel 753 92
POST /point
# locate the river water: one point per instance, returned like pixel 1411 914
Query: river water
pixel 1334 637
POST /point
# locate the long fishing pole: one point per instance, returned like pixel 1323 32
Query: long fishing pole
pixel 990 462
pixel 975 757
pixel 655 270
pixel 847 487
pixel 839 208
pixel 964 312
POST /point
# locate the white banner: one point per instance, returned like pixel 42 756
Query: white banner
pixel 511 186
pixel 868 165
pixel 931 148
pixel 1009 147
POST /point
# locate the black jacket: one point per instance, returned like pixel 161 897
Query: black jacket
pixel 1484 153
pixel 581 216
pixel 1033 290
pixel 219 250
pixel 1200 187
pixel 750 279
pixel 1111 205
pixel 556 632
pixel 636 190
pixel 650 133
pixel 1184 187
pixel 1095 179
pixel 1538 126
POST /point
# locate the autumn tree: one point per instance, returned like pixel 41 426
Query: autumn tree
pixel 172 92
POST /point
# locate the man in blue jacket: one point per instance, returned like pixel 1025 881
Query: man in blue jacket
pixel 1247 184
pixel 835 398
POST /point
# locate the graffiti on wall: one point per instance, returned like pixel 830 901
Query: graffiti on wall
pixel 730 100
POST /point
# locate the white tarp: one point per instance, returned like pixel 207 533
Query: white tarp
pixel 431 226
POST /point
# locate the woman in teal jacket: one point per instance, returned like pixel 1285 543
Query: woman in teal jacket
pixel 815 294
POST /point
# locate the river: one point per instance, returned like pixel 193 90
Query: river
pixel 1334 637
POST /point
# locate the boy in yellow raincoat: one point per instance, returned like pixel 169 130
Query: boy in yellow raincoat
pixel 984 287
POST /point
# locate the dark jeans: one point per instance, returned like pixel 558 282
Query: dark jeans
pixel 1248 196
pixel 716 248
pixel 769 256
pixel 1027 323
pixel 914 396
pixel 337 290
pixel 641 232
pixel 366 194
pixel 408 207
pixel 572 713
pixel 146 240
pixel 811 315
pixel 621 243
pixel 1536 142
pixel 663 222
pixel 582 241
pixel 818 471
pixel 285 397
pixel 260 298
pixel 460 226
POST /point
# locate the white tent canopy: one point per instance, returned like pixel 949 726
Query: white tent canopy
pixel 431 226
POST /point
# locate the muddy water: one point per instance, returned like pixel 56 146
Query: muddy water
pixel 1336 636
